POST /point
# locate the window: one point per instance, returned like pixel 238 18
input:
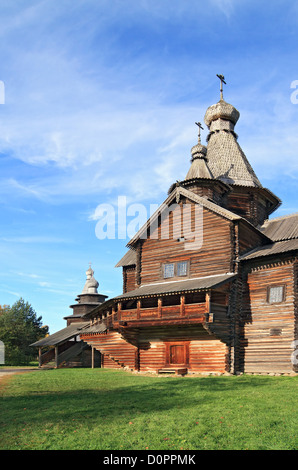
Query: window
pixel 276 294
pixel 175 269
pixel 182 268
pixel 168 270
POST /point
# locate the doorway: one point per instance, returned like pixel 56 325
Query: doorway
pixel 177 353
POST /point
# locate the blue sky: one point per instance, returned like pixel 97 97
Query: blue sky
pixel 101 98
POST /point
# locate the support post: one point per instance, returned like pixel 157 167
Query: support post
pixel 138 309
pixel 39 357
pixel 209 316
pixel 56 357
pixel 159 308
pixel 182 305
pixel 92 357
pixel 119 310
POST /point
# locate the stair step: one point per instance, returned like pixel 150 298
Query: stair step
pixel 178 371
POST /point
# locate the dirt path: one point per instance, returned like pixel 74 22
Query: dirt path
pixel 6 373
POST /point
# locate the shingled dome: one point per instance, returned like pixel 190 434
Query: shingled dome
pixel 226 159
pixel 199 167
pixel 221 110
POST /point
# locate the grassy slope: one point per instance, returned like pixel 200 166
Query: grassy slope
pixel 115 410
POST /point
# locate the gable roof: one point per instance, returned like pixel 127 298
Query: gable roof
pixel 175 195
pixel 281 228
pixel 205 203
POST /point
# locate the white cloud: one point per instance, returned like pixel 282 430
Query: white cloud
pixel 225 6
pixel 34 239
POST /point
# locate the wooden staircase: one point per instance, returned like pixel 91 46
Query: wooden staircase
pixel 115 350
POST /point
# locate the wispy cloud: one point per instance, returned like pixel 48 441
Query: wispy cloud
pixel 28 275
pixel 34 239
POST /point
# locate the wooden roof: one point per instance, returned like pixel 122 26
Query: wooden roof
pixel 228 162
pixel 62 335
pixel 281 228
pixel 98 328
pixel 129 259
pixel 283 231
pixel 275 248
pixel 176 287
pixel 226 158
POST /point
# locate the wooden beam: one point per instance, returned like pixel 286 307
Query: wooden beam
pixel 159 308
pixel 171 321
pixel 182 305
pixel 138 308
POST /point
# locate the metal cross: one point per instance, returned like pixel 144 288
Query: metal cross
pixel 222 80
pixel 200 127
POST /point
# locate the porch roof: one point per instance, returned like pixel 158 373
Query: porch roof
pixel 62 335
pixel 176 287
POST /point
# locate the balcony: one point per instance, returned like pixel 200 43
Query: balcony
pixel 160 314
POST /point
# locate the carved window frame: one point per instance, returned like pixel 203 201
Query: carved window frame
pixel 175 269
pixel 283 295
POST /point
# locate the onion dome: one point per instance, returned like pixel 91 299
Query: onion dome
pixel 91 284
pixel 221 115
pixel 199 167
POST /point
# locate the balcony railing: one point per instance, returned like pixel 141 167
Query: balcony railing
pixel 171 312
pixel 140 315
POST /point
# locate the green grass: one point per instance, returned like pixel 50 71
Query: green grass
pixel 115 410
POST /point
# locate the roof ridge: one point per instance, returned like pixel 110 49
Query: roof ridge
pixel 180 191
pixel 280 217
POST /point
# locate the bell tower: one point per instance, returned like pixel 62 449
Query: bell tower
pixel 87 300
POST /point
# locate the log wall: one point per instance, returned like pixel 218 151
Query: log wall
pixel 269 328
pixel 248 204
pixel 206 353
pixel 129 278
pixel 213 257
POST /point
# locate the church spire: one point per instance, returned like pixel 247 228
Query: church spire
pixel 199 167
pixel 226 159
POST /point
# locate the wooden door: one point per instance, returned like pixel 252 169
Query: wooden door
pixel 177 354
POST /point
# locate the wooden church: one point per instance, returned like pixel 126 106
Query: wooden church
pixel 209 282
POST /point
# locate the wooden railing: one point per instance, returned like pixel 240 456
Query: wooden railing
pixel 197 312
pixel 163 312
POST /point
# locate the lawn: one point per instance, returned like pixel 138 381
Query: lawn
pixel 116 410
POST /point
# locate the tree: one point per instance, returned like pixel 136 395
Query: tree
pixel 20 327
